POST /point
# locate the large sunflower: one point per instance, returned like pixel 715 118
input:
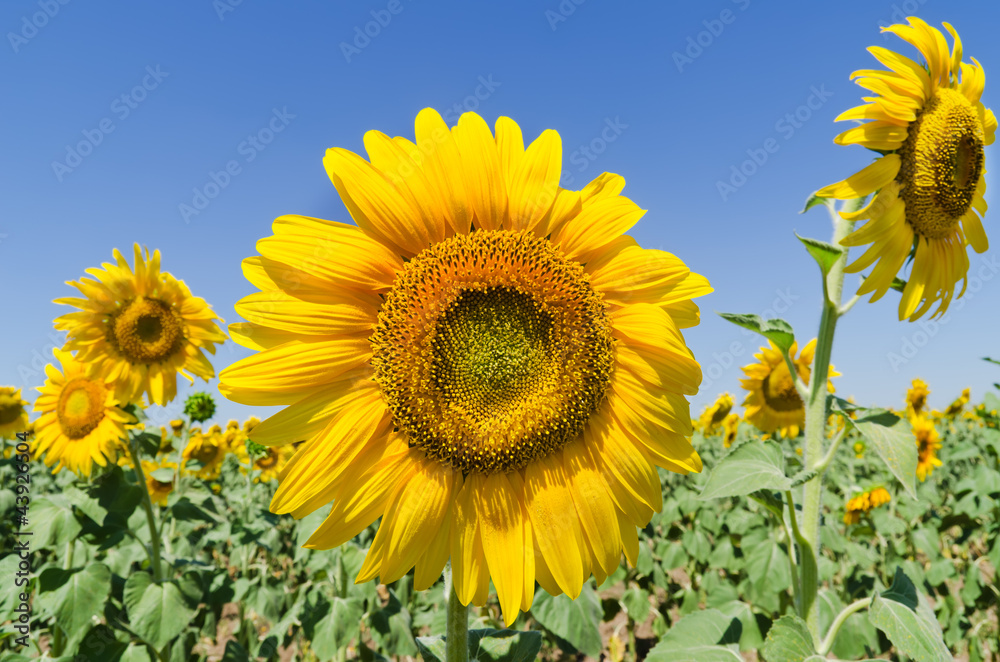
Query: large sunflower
pixel 485 361
pixel 13 412
pixel 772 403
pixel 139 329
pixel 80 424
pixel 930 127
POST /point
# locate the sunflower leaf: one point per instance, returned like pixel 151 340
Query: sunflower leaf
pixel 488 646
pixel 893 440
pixel 826 255
pixel 788 640
pixel 702 635
pixel 914 631
pixel 816 200
pixel 749 468
pixel 776 330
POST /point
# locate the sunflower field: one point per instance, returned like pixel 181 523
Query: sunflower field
pixel 485 447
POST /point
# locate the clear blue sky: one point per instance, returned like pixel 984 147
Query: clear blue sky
pixel 182 86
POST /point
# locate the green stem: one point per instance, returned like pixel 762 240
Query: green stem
pixel 147 504
pixel 58 636
pixel 812 491
pixel 457 632
pixel 842 617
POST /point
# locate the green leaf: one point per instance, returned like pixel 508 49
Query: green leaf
pixel 81 594
pixel 776 330
pixel 893 440
pixel 335 630
pixel 898 284
pixel 53 521
pixel 148 444
pixel 788 640
pixel 750 639
pixel 574 622
pixel 488 646
pixel 157 612
pixel 100 645
pixel 767 567
pixel 816 200
pixel 826 255
pixel 391 628
pixel 695 638
pixel 750 467
pixel 914 633
pixel 163 475
pixel 636 602
pixel 136 653
pixel 902 590
pixel 235 652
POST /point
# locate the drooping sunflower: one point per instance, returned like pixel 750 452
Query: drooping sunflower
pixel 864 503
pixel 13 412
pixel 730 426
pixel 714 414
pixel 209 449
pixel 139 329
pixel 916 397
pixel 772 403
pixel 930 127
pixel 958 404
pixel 485 361
pixel 928 444
pixel 80 423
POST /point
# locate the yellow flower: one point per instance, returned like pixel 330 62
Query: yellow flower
pixel 730 425
pixel 177 426
pixel 864 503
pixel 930 127
pixel 958 405
pixel 139 329
pixel 269 464
pixel 859 449
pixel 916 397
pixel 158 489
pixel 928 443
pixel 80 424
pixel 208 449
pixel 714 414
pixel 486 358
pixel 13 412
pixel 772 403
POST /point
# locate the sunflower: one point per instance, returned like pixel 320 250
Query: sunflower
pixel 730 426
pixel 158 489
pixel 930 127
pixel 958 405
pixel 928 443
pixel 139 329
pixel 916 397
pixel 485 361
pixel 864 503
pixel 80 424
pixel 772 403
pixel 13 412
pixel 207 448
pixel 269 464
pixel 714 414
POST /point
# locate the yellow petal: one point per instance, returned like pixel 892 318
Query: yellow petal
pixel 437 152
pixel 594 505
pixel 874 135
pixel 498 508
pixel 596 225
pixel 868 180
pixel 554 522
pixel 481 171
pixel 536 182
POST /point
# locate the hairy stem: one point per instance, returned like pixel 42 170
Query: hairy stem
pixel 457 632
pixel 147 505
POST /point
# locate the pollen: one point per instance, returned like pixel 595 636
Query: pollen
pixel 145 330
pixel 81 407
pixel 492 350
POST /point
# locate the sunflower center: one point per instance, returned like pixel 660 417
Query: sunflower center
pixel 492 350
pixel 146 330
pixel 81 407
pixel 269 460
pixel 779 390
pixel 10 409
pixel 162 486
pixel 942 163
pixel 205 453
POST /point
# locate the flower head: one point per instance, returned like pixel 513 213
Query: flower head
pixel 13 412
pixel 714 414
pixel 929 126
pixel 730 426
pixel 928 444
pixel 199 406
pixel 485 361
pixel 862 504
pixel 916 397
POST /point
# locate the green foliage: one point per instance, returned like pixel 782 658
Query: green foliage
pixel 826 255
pixel 776 330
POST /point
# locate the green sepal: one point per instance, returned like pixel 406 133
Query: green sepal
pixel 776 330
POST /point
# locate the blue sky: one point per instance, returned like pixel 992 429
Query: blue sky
pixel 673 96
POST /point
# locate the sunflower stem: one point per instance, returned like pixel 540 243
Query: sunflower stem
pixel 842 617
pixel 147 505
pixel 800 386
pixel 457 632
pixel 58 636
pixel 812 490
